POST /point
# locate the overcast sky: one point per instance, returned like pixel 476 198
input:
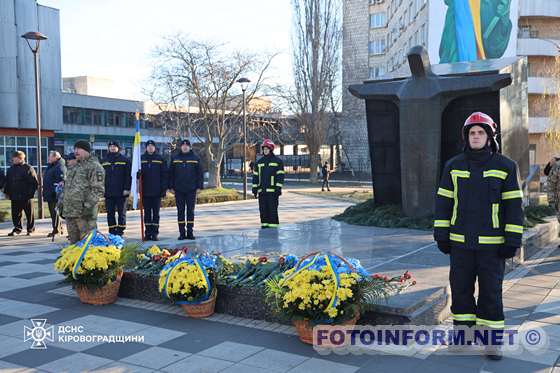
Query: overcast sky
pixel 114 38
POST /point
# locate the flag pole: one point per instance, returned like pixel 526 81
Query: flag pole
pixel 141 206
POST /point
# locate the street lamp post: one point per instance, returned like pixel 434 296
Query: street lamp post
pixel 244 82
pixel 37 37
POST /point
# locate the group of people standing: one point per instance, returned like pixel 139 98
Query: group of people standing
pixel 73 188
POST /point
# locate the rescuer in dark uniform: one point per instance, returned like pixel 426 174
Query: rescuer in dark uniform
pixel 268 180
pixel 117 187
pixel 154 186
pixel 186 179
pixel 479 222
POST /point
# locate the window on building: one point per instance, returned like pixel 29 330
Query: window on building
pixel 423 34
pixel 377 46
pixel 378 20
pixel 71 115
pixel 410 14
pixel 97 117
pixel 413 9
pixel 376 71
pixel 419 4
pixel 405 19
pixel 87 117
pixel 416 41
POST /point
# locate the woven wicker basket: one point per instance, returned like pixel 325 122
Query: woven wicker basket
pixel 201 310
pixel 305 329
pixel 103 295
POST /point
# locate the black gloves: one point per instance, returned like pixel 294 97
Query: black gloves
pixel 444 246
pixel 507 252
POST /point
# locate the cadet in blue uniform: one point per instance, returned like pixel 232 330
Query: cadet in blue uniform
pixel 154 186
pixel 117 187
pixel 185 180
pixel 479 222
pixel 268 180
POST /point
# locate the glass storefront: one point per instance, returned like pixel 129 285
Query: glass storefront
pixel 27 144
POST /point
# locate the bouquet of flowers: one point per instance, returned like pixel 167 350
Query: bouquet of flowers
pixel 92 262
pixel 153 259
pixel 190 280
pixel 327 289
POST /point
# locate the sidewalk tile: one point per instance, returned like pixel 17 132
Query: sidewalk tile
pixel 323 366
pixel 120 367
pixel 276 360
pixel 77 363
pixel 116 351
pixel 197 364
pixel 35 358
pixel 231 351
pixel 156 357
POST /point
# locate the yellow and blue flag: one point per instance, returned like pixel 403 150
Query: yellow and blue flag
pixel 136 163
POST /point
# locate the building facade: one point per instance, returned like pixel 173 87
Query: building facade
pixel 382 47
pixel 17 84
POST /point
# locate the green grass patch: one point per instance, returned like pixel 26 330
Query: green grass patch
pixel 390 216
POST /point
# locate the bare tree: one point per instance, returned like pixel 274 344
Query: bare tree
pixel 316 39
pixel 203 75
pixel 550 102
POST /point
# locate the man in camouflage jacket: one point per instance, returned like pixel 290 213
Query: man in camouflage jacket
pixel 553 184
pixel 84 186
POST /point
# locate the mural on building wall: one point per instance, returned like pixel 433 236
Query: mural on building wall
pixel 470 30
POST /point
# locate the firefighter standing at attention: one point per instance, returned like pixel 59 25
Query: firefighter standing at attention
pixel 479 223
pixel 186 180
pixel 268 180
pixel 117 187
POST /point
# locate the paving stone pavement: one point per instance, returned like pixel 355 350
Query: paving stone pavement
pixel 29 289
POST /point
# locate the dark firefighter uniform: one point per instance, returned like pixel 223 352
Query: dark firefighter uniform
pixel 154 186
pixel 117 188
pixel 268 180
pixel 479 221
pixel 185 177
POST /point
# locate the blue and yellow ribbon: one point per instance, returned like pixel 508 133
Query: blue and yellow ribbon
pixel 300 268
pixel 201 270
pixel 85 248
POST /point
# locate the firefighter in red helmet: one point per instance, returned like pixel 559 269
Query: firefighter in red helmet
pixel 268 180
pixel 479 223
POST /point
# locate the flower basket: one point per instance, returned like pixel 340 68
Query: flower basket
pixel 93 267
pixel 99 296
pixel 305 329
pixel 201 310
pixel 190 281
pixel 326 290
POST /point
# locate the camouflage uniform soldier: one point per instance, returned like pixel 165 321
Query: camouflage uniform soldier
pixel 85 185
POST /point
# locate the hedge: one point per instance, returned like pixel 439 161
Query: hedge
pixel 211 195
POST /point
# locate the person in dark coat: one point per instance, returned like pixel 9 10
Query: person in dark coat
pixel 268 181
pixel 2 179
pixel 117 187
pixel 20 188
pixel 54 176
pixel 186 179
pixel 154 186
pixel 479 223
pixel 326 173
